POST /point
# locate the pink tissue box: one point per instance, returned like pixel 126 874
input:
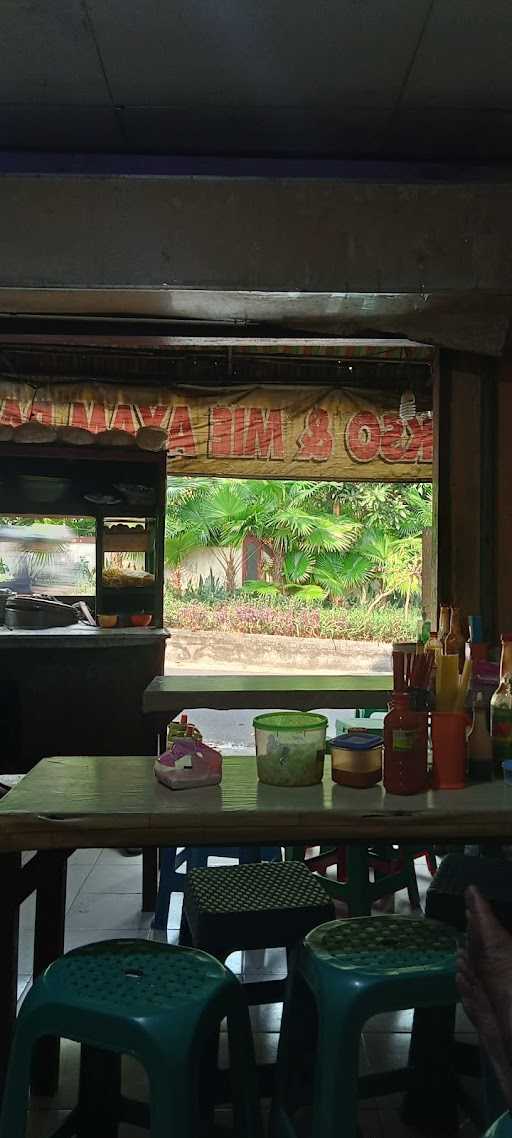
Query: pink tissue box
pixel 187 764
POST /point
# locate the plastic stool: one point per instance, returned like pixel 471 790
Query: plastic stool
pixel 352 970
pixel 159 1003
pixel 196 857
pixel 501 1128
pixel 445 902
pixel 393 870
pixel 272 904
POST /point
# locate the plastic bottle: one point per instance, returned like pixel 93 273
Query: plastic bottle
pixel 480 757
pixel 501 707
pixel 177 730
pixel 425 632
pixel 405 749
pixel 444 625
pixel 455 643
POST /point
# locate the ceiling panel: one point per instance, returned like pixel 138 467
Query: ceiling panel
pixel 59 128
pixel 47 53
pixel 464 57
pixel 254 132
pixel 257 52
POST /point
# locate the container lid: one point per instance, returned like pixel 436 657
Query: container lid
pixel 290 721
pixel 358 741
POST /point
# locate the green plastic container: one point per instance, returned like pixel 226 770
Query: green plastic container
pixel 290 747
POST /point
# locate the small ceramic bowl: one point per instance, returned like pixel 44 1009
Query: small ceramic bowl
pixel 107 620
pixel 141 619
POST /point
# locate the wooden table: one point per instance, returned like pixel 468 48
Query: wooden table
pixel 115 801
pixel 65 803
pixel 167 696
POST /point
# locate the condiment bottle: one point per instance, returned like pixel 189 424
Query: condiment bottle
pixel 455 643
pixel 433 645
pixel 501 707
pixel 425 631
pixel 405 749
pixel 177 730
pixel 480 758
pixel 444 625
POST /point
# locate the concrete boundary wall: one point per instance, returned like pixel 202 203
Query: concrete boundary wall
pixel 241 652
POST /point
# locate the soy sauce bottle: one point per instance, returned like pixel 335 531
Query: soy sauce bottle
pixel 405 748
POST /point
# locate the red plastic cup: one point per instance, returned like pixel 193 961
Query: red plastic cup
pixel 449 750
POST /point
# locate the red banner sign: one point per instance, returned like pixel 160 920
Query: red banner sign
pixel 271 431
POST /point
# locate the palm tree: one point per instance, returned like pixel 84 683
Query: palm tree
pixel 222 513
pixel 336 540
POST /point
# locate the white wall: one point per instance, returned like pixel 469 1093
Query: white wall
pixel 198 565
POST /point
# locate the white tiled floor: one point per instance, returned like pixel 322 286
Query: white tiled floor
pixel 104 901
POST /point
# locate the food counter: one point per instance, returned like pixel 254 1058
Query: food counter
pixel 76 690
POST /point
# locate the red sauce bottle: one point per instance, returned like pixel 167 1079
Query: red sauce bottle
pixel 405 748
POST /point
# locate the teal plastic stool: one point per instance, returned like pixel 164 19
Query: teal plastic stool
pixel 346 972
pixel 159 1003
pixel 501 1128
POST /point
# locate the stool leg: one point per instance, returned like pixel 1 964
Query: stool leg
pixel 99 1093
pixel 48 946
pixel 247 1118
pixel 431 1098
pixel 149 878
pixel 298 1045
pixel 358 884
pixel 412 882
pixel 337 1069
pixel 171 1111
pixel 10 866
pixel 13 1119
pixel 184 936
pixel 163 900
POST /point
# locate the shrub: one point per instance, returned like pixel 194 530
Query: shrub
pixel 280 617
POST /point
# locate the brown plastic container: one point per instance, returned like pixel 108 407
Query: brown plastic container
pixel 356 759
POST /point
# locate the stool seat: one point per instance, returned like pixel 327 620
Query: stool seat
pixel 395 947
pixel 253 906
pixel 133 978
pixel 445 895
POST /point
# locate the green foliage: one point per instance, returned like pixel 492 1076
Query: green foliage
pixel 275 615
pixel 322 541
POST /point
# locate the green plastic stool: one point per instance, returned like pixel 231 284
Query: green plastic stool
pixel 346 972
pixel 358 892
pixel 501 1128
pixel 159 1003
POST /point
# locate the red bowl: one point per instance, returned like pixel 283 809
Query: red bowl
pixel 141 619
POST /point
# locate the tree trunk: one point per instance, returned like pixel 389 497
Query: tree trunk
pixel 230 574
pixel 407 602
pixel 277 566
pixel 175 578
pixel 378 600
